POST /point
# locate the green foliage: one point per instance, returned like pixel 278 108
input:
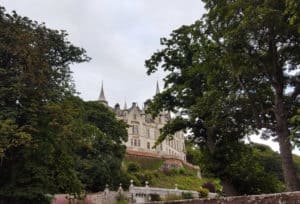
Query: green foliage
pixel 145 163
pixel 36 118
pixel 260 63
pixel 222 88
pixel 193 155
pixel 295 121
pixel 144 176
pixel 203 192
pixel 187 195
pixel 133 167
pixel 184 177
pixel 50 141
pixel 175 171
pixel 209 186
pixel 101 151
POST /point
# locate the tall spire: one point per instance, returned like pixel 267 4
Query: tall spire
pixel 157 88
pixel 125 105
pixel 102 96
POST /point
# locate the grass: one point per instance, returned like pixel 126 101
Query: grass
pixel 185 179
pixel 146 163
pixel 184 182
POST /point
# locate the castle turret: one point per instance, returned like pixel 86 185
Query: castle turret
pixel 157 88
pixel 102 96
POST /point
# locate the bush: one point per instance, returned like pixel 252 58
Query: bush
pixel 133 167
pixel 203 192
pixel 187 195
pixel 182 171
pixel 144 176
pixel 209 186
pixel 173 171
pixel 125 180
pixel 155 197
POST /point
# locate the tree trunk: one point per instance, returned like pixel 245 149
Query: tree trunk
pixel 289 172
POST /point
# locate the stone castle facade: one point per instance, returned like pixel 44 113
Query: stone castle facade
pixel 143 131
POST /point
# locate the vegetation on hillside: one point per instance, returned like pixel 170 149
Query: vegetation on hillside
pixel 143 169
pixel 264 175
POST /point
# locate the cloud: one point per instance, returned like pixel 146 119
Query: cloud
pixel 118 34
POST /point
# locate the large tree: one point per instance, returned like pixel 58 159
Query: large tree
pixel 202 93
pixel 50 141
pixel 37 124
pixel 101 150
pixel 228 76
pixel 258 38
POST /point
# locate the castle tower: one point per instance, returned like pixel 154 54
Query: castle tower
pixel 157 88
pixel 102 96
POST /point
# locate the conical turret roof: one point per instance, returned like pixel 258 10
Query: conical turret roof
pixel 157 88
pixel 102 96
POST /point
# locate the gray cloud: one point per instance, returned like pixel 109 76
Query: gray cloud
pixel 118 34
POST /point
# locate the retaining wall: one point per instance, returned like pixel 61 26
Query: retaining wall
pixel 278 198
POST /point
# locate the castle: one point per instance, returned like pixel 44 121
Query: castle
pixel 143 131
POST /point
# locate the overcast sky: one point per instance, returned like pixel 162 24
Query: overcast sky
pixel 117 34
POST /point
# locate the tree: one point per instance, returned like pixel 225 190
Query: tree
pixel 215 79
pixel 268 46
pixel 101 150
pixel 37 123
pixel 201 92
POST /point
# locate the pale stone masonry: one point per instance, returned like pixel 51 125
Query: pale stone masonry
pixel 143 131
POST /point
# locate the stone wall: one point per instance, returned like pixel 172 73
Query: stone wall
pixel 94 198
pixel 279 198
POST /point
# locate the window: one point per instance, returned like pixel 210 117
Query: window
pixel 135 143
pixel 131 142
pixel 139 143
pixel 135 129
pixel 134 116
pixel 148 145
pixel 148 132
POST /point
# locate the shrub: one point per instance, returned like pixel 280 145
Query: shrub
pixel 143 177
pixel 133 167
pixel 171 171
pixel 203 192
pixel 187 195
pixel 125 180
pixel 182 171
pixel 209 186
